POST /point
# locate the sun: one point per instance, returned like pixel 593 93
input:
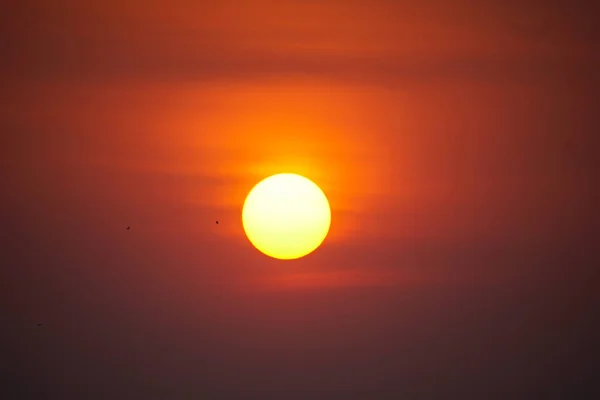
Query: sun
pixel 286 216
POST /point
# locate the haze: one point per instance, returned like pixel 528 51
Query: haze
pixel 456 142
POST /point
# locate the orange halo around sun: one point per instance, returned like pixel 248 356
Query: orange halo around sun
pixel 286 216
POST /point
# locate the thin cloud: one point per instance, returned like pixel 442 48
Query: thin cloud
pixel 118 45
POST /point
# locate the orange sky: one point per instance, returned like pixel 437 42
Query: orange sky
pixel 420 122
pixel 455 140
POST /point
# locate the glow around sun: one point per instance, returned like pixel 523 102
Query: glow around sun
pixel 286 216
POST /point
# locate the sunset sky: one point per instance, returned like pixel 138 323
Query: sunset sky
pixel 455 141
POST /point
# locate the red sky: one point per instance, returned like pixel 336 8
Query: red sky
pixel 454 140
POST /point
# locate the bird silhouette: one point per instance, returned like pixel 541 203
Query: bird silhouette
pixel 39 324
pixel 217 222
pixel 128 227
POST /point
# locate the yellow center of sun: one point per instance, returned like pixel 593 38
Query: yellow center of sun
pixel 286 216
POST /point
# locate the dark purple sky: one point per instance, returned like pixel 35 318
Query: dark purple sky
pixel 456 142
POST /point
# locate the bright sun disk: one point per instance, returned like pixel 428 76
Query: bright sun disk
pixel 286 216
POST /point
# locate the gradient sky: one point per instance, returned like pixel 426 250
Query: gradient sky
pixel 455 142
